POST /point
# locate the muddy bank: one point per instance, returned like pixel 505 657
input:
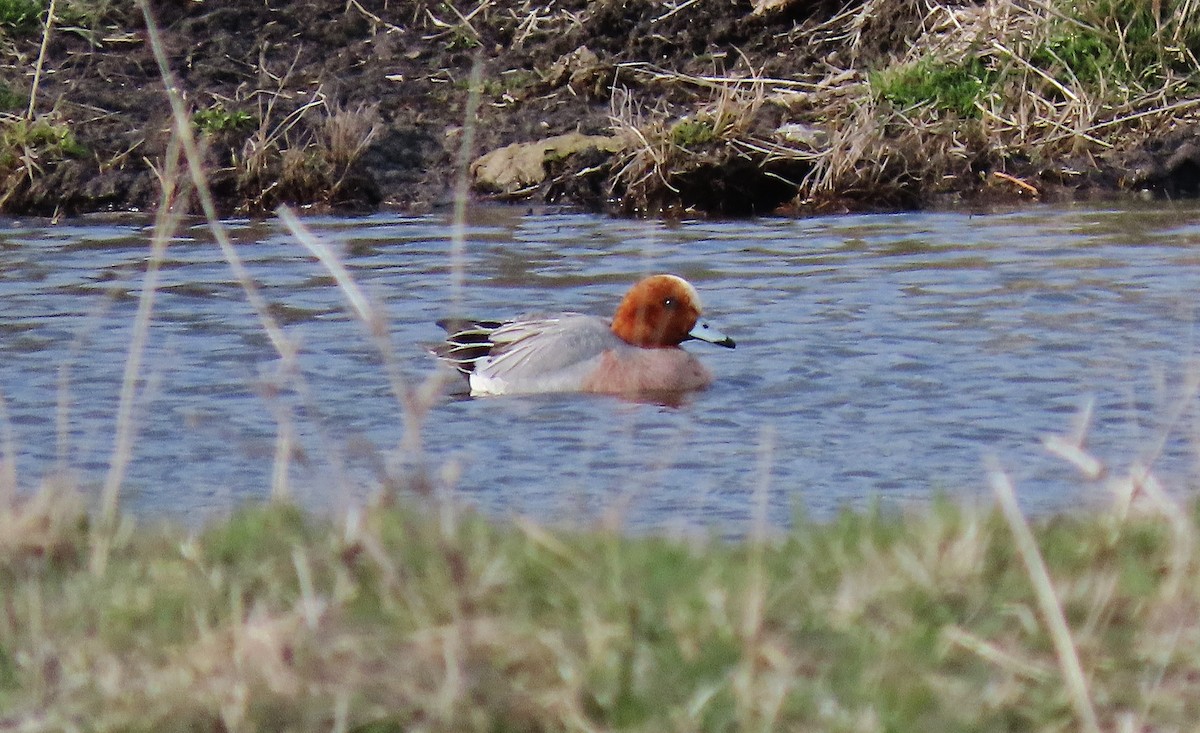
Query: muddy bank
pixel 637 107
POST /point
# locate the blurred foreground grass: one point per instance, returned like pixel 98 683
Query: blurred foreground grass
pixel 413 616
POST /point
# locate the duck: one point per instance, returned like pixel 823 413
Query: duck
pixel 637 351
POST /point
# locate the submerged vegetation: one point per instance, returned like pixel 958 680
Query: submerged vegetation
pixel 711 106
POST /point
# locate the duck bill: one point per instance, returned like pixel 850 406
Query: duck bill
pixel 705 332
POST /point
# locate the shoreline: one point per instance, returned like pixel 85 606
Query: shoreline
pixel 719 109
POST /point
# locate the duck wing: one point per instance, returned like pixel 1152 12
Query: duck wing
pixel 558 348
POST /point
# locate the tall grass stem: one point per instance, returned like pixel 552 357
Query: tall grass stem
pixel 47 31
pixel 1047 598
pixel 195 165
pixel 166 222
pixel 462 186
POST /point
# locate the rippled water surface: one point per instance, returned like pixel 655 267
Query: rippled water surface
pixel 880 358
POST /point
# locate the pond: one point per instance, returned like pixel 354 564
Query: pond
pixel 880 359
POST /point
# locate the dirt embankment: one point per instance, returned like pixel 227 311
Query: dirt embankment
pixel 718 106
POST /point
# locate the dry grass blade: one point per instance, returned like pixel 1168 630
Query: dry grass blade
pixel 354 295
pixel 462 186
pixel 673 9
pixel 8 459
pixel 170 212
pixel 1048 603
pixel 1071 446
pixel 1075 454
pixel 720 83
pixel 996 654
pixel 285 444
pixel 47 29
pixel 414 403
pixel 195 166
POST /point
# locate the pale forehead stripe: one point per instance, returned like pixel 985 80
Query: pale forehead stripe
pixel 690 289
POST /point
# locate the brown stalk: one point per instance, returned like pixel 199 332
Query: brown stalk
pixel 41 58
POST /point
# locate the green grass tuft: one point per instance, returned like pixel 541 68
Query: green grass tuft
pixel 41 140
pixel 1124 41
pixel 11 100
pixel 20 15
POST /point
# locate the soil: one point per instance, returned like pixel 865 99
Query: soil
pixel 399 74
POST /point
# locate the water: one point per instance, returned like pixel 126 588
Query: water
pixel 880 359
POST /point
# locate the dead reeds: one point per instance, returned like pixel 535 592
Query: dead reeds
pixel 916 100
pixel 1053 84
pixel 666 146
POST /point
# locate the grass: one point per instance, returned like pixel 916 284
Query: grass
pixel 911 100
pixel 1041 83
pixel 10 100
pixel 665 148
pixel 691 133
pixel 1123 40
pixel 386 618
pixel 20 15
pixel 283 160
pixel 43 138
pixel 30 146
pixel 24 16
pixel 217 119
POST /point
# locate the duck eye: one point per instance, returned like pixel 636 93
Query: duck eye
pixel 668 302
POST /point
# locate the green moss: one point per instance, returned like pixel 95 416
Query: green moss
pixel 1077 53
pixel 218 119
pixel 953 87
pixel 693 133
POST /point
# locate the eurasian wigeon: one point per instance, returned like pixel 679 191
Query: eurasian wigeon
pixel 636 352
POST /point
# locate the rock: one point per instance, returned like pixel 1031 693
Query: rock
pixel 517 168
pixel 768 6
pixel 798 133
